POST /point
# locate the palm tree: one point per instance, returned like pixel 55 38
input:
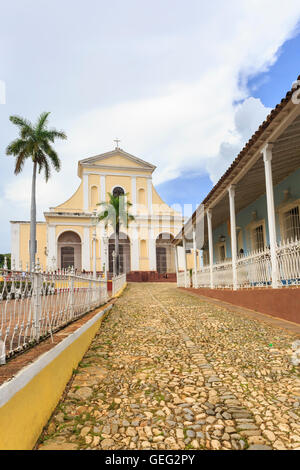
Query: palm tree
pixel 34 142
pixel 115 212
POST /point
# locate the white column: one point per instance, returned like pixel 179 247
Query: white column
pixel 85 192
pixel 185 263
pixel 201 262
pixel 85 263
pixel 102 188
pixel 135 250
pixel 152 250
pixel 133 195
pixel 267 155
pixel 176 261
pixel 149 190
pixel 195 284
pixel 103 236
pixel 52 247
pixel 231 192
pixel 211 247
pixel 94 255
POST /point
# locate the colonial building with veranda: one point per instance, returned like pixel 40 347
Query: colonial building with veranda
pixel 72 236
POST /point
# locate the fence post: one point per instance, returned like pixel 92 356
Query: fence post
pixel 37 299
pixel 71 287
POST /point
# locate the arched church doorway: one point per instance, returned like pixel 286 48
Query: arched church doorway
pixel 124 252
pixel 69 250
pixel 165 256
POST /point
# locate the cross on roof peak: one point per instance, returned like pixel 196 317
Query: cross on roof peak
pixel 117 142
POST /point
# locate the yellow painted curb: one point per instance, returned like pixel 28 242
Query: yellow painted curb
pixel 28 400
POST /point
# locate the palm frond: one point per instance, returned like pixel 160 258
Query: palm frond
pixel 48 150
pixel 42 121
pixel 20 163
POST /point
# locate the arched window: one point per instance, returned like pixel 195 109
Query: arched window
pixel 142 196
pixel 69 250
pixel 118 191
pixel 94 196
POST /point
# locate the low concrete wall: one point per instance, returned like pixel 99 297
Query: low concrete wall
pixel 281 303
pixel 28 400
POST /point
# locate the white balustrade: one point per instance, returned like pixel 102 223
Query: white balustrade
pixel 118 282
pixel 222 275
pixel 203 277
pixel 183 279
pixel 254 269
pixel 288 258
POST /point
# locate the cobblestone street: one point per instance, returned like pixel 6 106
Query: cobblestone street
pixel 168 370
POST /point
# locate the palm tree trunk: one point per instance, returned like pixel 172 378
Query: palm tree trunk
pixel 33 219
pixel 117 249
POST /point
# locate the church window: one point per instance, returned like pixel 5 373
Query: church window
pixel 94 196
pixel 142 196
pixel 118 191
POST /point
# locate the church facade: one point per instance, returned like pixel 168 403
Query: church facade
pixel 72 236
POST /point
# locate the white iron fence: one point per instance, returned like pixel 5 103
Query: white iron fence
pixel 222 274
pixel 118 283
pixel 255 270
pixel 33 305
pixel 203 277
pixel 183 279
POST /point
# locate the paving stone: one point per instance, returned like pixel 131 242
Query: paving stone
pixel 168 370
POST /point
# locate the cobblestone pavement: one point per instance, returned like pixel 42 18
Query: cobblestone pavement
pixel 168 370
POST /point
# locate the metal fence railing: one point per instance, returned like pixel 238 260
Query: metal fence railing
pixel 254 269
pixel 118 282
pixel 33 305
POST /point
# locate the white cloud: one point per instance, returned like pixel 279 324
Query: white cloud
pixel 190 122
pixel 195 124
pixel 248 116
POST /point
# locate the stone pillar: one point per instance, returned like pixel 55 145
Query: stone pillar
pixel 94 255
pixel 152 250
pixel 85 263
pixel 85 192
pixel 132 197
pixel 231 192
pixel 195 283
pixel 102 188
pixel 135 250
pixel 185 264
pixel 267 155
pixel 211 247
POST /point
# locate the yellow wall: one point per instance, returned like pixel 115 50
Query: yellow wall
pixel 118 160
pixel 41 236
pixel 74 203
pixel 23 417
pixel 124 181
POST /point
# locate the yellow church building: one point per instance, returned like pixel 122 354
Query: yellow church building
pixel 72 236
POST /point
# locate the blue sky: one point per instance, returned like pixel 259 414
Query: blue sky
pixel 269 87
pixel 183 84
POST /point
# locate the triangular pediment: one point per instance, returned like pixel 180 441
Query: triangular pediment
pixel 117 159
